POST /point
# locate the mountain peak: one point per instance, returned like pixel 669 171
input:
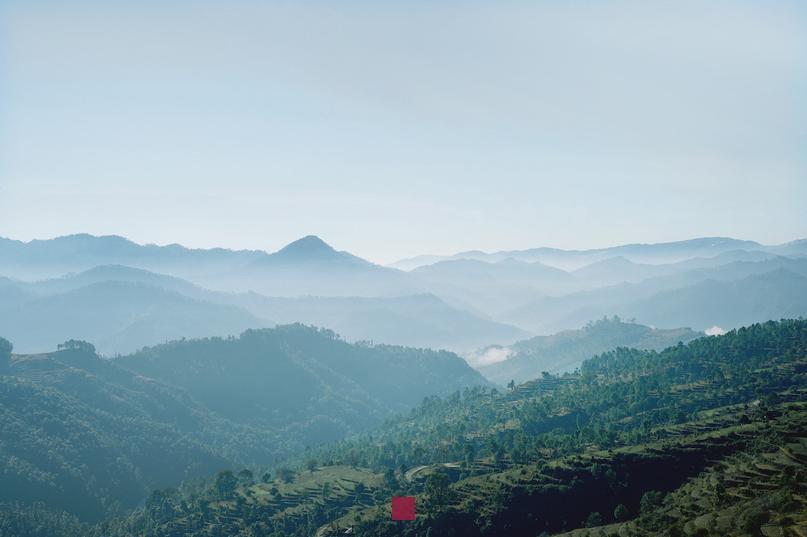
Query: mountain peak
pixel 310 244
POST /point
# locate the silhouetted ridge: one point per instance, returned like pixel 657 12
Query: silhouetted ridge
pixel 310 245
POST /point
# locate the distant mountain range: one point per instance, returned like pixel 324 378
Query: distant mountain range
pixel 122 295
pixel 726 295
pixel 121 309
pixel 305 267
pixel 666 252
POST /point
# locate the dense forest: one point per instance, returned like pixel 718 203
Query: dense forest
pixel 92 436
pixel 708 438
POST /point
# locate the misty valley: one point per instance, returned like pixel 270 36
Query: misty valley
pixel 644 389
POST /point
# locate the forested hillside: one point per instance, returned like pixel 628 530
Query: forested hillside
pixel 92 436
pixel 661 443
pixel 566 350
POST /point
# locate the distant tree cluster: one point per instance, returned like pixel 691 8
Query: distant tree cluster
pixel 77 345
pixel 5 353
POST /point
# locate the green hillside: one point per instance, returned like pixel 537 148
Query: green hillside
pixel 700 439
pixel 566 350
pixel 92 436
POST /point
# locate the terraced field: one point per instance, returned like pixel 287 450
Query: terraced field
pixel 721 475
pixel 757 491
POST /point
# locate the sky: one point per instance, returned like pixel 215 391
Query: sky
pixel 394 128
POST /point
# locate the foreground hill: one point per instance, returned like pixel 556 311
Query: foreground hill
pixel 83 435
pixel 287 374
pixel 92 436
pixel 708 438
pixel 566 350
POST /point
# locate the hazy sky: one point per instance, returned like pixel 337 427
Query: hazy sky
pixel 392 128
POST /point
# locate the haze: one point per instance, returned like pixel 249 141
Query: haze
pixel 401 128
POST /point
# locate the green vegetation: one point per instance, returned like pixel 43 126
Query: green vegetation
pixel 93 437
pixel 566 350
pixel 615 444
pixel 708 438
pixel 5 353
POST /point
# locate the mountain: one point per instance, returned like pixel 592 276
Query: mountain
pixel 307 266
pixel 83 435
pixel 618 270
pixel 551 314
pixel 492 287
pixel 117 316
pixel 277 374
pixel 41 259
pixel 311 250
pixel 416 320
pixel 566 350
pixel 728 304
pixel 797 248
pixel 152 308
pixel 509 269
pixel 115 273
pixel 504 286
pixel 659 253
pixel 92 436
pixel 708 438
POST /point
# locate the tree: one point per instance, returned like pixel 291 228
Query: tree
pixel 437 491
pixel 311 465
pixel 226 483
pixel 286 475
pixel 77 345
pixel 246 477
pixel 594 519
pixel 390 480
pixel 650 500
pixel 266 477
pixel 5 352
pixel 621 513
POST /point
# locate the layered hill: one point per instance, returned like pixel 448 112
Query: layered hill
pixel 567 350
pixel 525 289
pixel 118 316
pixel 727 295
pixel 658 253
pixel 93 436
pixel 708 438
pixel 307 266
pixel 121 309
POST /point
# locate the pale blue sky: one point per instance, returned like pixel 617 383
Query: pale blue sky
pixel 397 128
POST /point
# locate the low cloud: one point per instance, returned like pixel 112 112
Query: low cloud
pixel 489 355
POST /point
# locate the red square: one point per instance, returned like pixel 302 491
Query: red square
pixel 403 508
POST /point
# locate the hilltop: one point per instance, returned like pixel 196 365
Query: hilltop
pixel 566 350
